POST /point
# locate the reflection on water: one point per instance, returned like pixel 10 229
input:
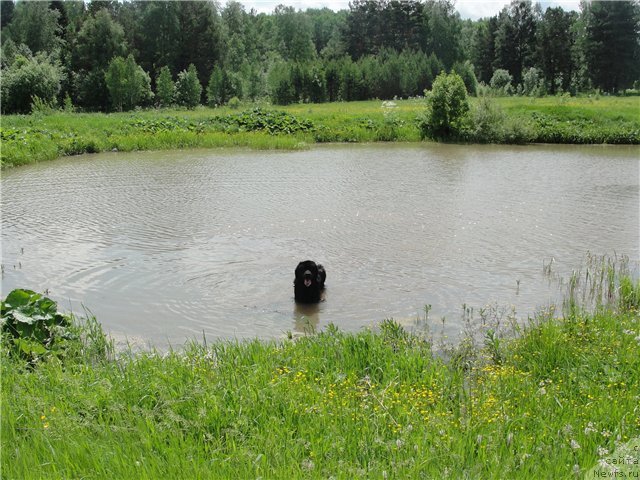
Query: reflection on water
pixel 306 317
pixel 173 245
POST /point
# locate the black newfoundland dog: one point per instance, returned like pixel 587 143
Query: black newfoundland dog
pixel 309 282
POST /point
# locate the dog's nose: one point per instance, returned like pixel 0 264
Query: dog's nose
pixel 307 273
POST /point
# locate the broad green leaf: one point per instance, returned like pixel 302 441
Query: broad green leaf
pixel 20 297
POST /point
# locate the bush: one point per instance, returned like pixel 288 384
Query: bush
pixel 165 88
pixel 32 325
pixel 532 83
pixel 501 82
pixel 487 120
pixel 188 88
pixel 447 108
pixel 234 103
pixel 30 77
pixel 128 84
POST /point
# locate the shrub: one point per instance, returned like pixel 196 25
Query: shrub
pixel 234 103
pixel 128 84
pixel 487 120
pixel 447 108
pixel 42 107
pixel 188 88
pixel 501 82
pixel 165 87
pixel 33 326
pixel 532 83
pixel 30 77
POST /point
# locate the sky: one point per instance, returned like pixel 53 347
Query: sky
pixel 472 9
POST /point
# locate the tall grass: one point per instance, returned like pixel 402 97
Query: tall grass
pixel 556 401
pixel 44 136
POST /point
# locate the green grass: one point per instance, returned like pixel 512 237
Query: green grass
pixel 578 120
pixel 38 137
pixel 558 400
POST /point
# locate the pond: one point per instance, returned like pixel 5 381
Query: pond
pixel 168 246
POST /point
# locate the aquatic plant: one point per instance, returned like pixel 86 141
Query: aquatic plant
pixel 33 326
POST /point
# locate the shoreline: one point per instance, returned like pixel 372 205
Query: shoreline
pixel 549 120
pixel 558 399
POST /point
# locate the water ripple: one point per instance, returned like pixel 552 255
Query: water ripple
pixel 170 245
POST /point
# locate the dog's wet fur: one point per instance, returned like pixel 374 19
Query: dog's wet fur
pixel 309 282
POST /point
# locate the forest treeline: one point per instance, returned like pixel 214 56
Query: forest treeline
pixel 118 55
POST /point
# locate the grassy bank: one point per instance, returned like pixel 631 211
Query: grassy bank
pixel 559 400
pixel 44 136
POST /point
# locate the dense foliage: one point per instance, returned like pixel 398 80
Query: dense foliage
pixel 32 327
pixel 447 107
pixel 375 49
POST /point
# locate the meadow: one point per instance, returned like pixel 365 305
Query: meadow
pixel 554 398
pixel 49 134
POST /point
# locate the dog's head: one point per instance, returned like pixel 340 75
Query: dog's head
pixel 307 274
pixel 309 282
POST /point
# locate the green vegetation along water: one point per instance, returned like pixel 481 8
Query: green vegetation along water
pixel 557 400
pixel 45 136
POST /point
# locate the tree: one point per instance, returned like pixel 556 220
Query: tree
pixel 444 32
pixel 158 36
pixel 555 42
pixel 178 34
pixel 35 25
pixel 326 28
pixel 466 71
pixel 236 23
pixel 363 28
pixel 293 35
pixel 515 38
pixel 447 107
pixel 7 8
pixel 373 25
pixel 280 86
pixel 99 40
pixel 200 42
pixel 611 47
pixel 30 77
pixel 222 87
pixel 165 87
pixel 188 88
pixel 483 49
pixel 128 84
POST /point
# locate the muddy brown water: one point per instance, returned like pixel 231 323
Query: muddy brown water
pixel 167 246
